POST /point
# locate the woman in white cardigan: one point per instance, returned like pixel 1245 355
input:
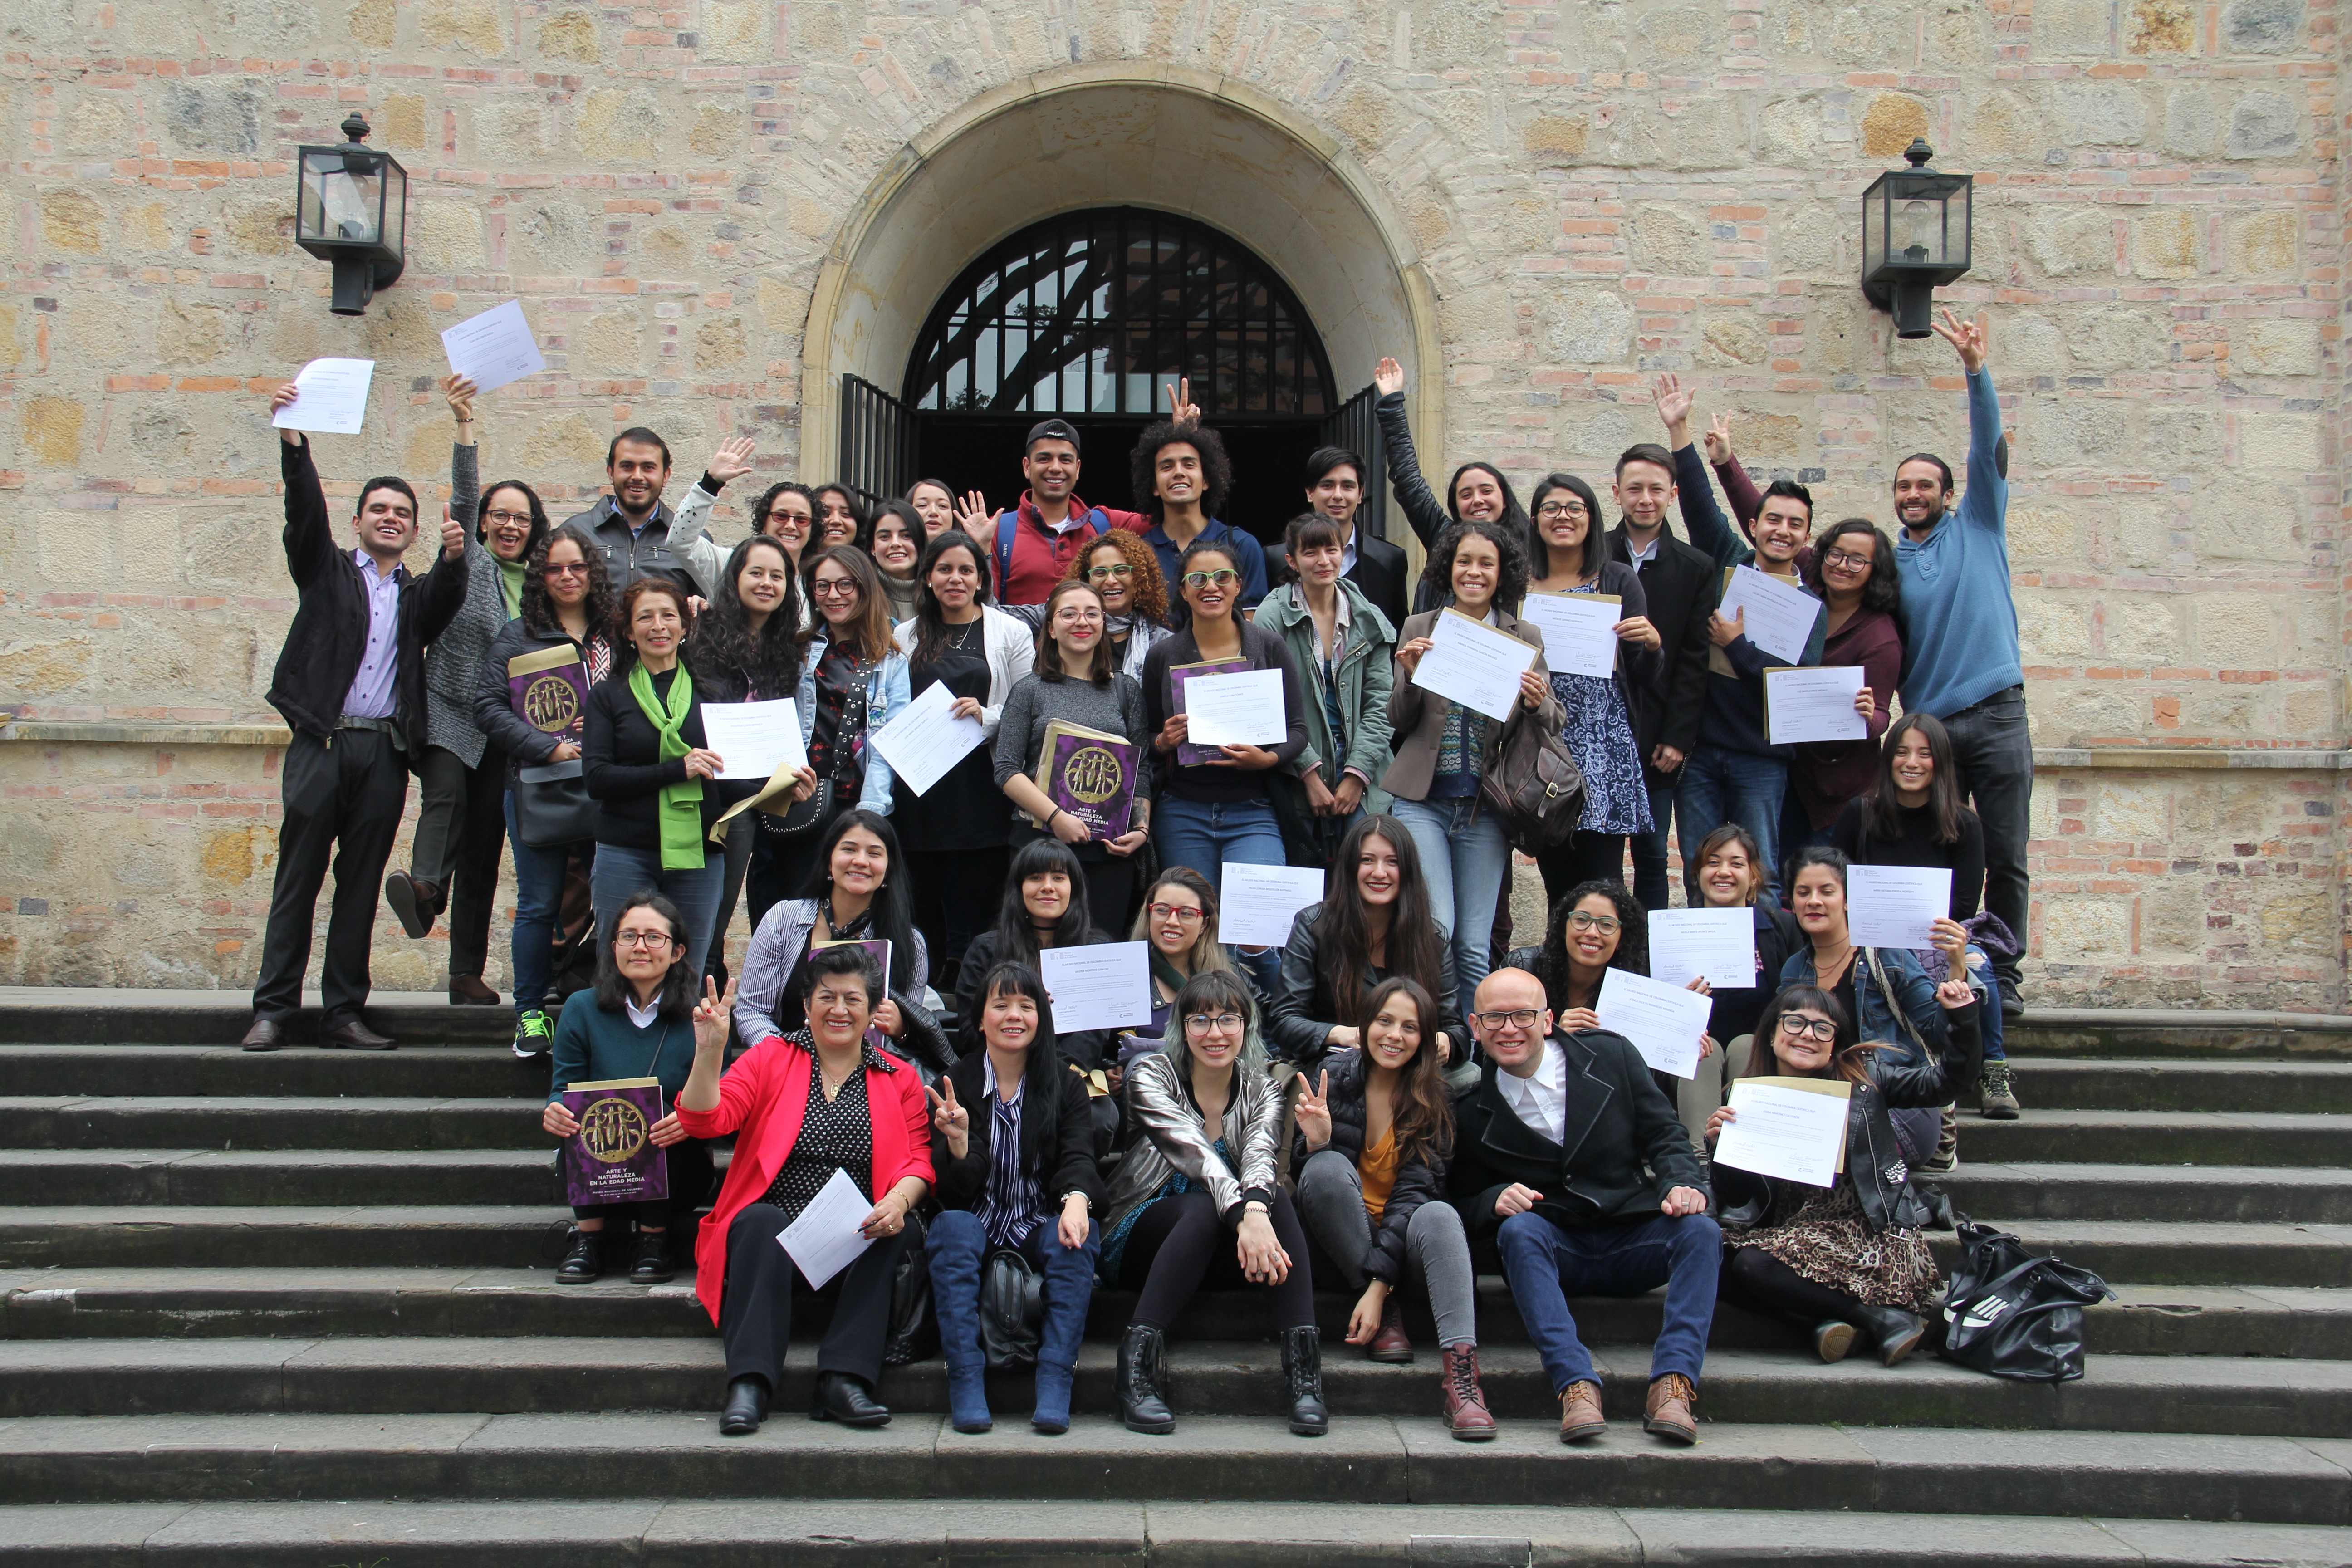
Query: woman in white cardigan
pixel 953 833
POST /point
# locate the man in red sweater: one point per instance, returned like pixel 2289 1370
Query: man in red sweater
pixel 1035 542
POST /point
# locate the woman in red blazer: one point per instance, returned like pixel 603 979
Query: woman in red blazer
pixel 807 1104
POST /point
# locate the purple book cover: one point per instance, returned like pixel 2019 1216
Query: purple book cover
pixel 1189 755
pixel 1093 779
pixel 612 1159
pixel 549 690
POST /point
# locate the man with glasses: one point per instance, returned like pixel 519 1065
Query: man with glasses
pixel 1568 1156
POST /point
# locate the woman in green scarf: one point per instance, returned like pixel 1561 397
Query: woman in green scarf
pixel 652 774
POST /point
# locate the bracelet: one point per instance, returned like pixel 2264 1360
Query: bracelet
pixel 1049 819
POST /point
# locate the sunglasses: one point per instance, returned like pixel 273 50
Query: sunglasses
pixel 1223 577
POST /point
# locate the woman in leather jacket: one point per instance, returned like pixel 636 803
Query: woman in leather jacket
pixel 1195 1202
pixel 1851 1256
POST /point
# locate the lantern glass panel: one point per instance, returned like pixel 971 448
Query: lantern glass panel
pixel 395 210
pixel 1874 229
pixel 342 198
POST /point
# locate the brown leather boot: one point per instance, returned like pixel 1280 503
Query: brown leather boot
pixel 1579 1413
pixel 467 990
pixel 1668 1414
pixel 1466 1403
pixel 1390 1341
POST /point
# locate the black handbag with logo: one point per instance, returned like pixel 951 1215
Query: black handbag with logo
pixel 2014 1313
pixel 552 806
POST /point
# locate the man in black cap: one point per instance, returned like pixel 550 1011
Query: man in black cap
pixel 1036 540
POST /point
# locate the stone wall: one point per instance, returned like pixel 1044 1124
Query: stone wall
pixel 1570 197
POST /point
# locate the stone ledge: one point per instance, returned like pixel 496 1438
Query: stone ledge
pixel 134 733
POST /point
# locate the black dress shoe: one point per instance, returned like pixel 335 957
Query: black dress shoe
pixel 653 1265
pixel 583 1260
pixel 356 1037
pixel 843 1398
pixel 267 1034
pixel 414 902
pixel 746 1406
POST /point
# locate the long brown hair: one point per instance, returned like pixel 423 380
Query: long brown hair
pixel 1343 932
pixel 1423 1124
pixel 869 633
pixel 1207 952
pixel 1849 1060
pixel 1049 652
pixel 1882 812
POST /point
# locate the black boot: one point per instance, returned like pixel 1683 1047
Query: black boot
pixel 1898 1333
pixel 1143 1378
pixel 1302 1381
pixel 583 1260
pixel 746 1406
pixel 843 1398
pixel 653 1265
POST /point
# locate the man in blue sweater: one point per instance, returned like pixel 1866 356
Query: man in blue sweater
pixel 1960 658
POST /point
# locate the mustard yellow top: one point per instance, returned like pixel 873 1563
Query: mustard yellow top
pixel 1378 1169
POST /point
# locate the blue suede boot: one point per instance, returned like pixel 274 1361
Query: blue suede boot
pixel 968 1397
pixel 957 1243
pixel 1068 1288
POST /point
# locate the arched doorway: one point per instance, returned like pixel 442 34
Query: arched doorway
pixel 1089 315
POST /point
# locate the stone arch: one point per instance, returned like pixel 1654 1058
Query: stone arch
pixel 1133 133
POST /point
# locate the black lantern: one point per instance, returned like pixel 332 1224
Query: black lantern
pixel 351 208
pixel 1915 236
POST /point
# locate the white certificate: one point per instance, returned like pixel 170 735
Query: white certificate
pixel 1471 663
pixel 1580 631
pixel 1813 704
pixel 826 1240
pixel 1780 617
pixel 493 348
pixel 1106 986
pixel 1255 904
pixel 334 400
pixel 754 739
pixel 1243 710
pixel 926 739
pixel 1718 944
pixel 1894 906
pixel 1784 1131
pixel 1663 1021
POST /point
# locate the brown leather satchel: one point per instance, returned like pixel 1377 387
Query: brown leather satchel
pixel 1533 786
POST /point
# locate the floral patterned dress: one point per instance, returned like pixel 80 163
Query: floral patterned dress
pixel 1825 1238
pixel 1600 736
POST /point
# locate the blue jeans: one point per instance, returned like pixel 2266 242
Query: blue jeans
pixel 1465 858
pixel 1719 786
pixel 1546 1265
pixel 538 901
pixel 620 873
pixel 1204 834
pixel 959 1245
pixel 1650 885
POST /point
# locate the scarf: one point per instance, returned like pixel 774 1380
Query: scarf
pixel 511 579
pixel 680 817
pixel 1167 974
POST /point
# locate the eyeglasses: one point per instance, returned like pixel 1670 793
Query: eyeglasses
pixel 1223 577
pixel 569 569
pixel 512 519
pixel 1848 561
pixel 1071 617
pixel 1205 1024
pixel 834 588
pixel 1182 914
pixel 652 939
pixel 1795 1025
pixel 1117 569
pixel 1516 1017
pixel 1560 508
pixel 1606 925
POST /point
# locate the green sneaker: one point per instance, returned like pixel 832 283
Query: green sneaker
pixel 534 1036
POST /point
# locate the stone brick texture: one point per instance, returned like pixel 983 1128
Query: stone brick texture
pixel 1595 192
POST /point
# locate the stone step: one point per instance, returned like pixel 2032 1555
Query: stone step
pixel 36 1015
pixel 462 1236
pixel 458 1072
pixel 270 1121
pixel 727 1533
pixel 2158 1138
pixel 2251 1194
pixel 274 1457
pixel 2241 1396
pixel 217 1303
pixel 2182 1032
pixel 2090 1083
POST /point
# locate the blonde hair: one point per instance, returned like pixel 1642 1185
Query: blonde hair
pixel 1207 955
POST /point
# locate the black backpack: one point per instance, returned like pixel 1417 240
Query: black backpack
pixel 2012 1313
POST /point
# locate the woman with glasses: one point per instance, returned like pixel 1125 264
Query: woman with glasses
pixel 1074 682
pixel 896 543
pixel 1196 1201
pixel 1120 568
pixel 1347 647
pixel 527 701
pixel 853 681
pixel 1179 918
pixel 1375 1127
pixel 1851 1256
pixel 639 1023
pixel 1884 990
pixel 1568 544
pixel 1216 803
pixel 1374 925
pixel 954 831
pixel 453 861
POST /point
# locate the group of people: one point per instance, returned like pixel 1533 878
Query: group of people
pixel 1387 1090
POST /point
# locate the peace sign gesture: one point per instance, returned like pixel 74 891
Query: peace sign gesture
pixel 952 1121
pixel 711 1015
pixel 1315 1109
pixel 1181 406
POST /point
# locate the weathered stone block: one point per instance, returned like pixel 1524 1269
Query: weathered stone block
pixel 2071 242
pixel 2101 114
pixel 2165 244
pixel 2289 442
pixel 2085 928
pixel 2234 631
pixel 1662 240
pixel 2275 347
pixel 2050 631
pixel 2262 26
pixel 1589 325
pixel 617 124
pixel 2133 810
pixel 2161 28
pixel 2143 631
pixel 2063 28
pixel 570 34
pixel 222 118
pixel 2262 244
pixel 1890 123
pixel 2042 535
pixel 2264 124
pixel 2003 127
pixel 738 30
pixel 476 26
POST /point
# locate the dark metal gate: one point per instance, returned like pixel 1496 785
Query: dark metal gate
pixel 877 443
pixel 1358 429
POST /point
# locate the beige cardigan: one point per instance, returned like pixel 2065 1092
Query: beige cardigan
pixel 1417 718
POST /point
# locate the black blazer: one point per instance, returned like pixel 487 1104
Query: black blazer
pixel 1058 1135
pixel 329 634
pixel 1618 1121
pixel 1682 588
pixel 1419 1179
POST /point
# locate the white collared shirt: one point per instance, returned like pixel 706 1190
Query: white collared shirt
pixel 643 1017
pixel 1540 1099
pixel 1636 557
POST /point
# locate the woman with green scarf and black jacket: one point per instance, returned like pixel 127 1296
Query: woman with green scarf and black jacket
pixel 650 769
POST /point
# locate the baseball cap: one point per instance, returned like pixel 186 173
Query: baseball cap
pixel 1050 430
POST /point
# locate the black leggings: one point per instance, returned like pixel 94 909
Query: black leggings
pixel 1754 1279
pixel 1181 1245
pixel 1581 857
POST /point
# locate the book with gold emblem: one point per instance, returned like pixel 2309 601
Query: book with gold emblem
pixel 549 690
pixel 1090 775
pixel 613 1158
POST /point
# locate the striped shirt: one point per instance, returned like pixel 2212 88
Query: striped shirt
pixel 1009 1204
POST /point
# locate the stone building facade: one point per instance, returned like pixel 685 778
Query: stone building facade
pixel 714 209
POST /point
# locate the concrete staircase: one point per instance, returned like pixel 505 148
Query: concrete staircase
pixel 300 1309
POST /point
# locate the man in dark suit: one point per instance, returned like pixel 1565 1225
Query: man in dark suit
pixel 1549 1153
pixel 350 684
pixel 1334 486
pixel 1682 585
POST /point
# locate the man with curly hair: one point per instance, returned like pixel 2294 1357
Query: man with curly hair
pixel 1181 477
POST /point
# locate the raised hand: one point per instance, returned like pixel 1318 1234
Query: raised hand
pixel 973 517
pixel 711 1014
pixel 731 461
pixel 1719 439
pixel 1673 405
pixel 951 1121
pixel 1315 1111
pixel 279 401
pixel 1181 406
pixel 460 392
pixel 1388 376
pixel 453 535
pixel 1967 337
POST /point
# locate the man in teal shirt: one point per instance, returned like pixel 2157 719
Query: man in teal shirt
pixel 1960 658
